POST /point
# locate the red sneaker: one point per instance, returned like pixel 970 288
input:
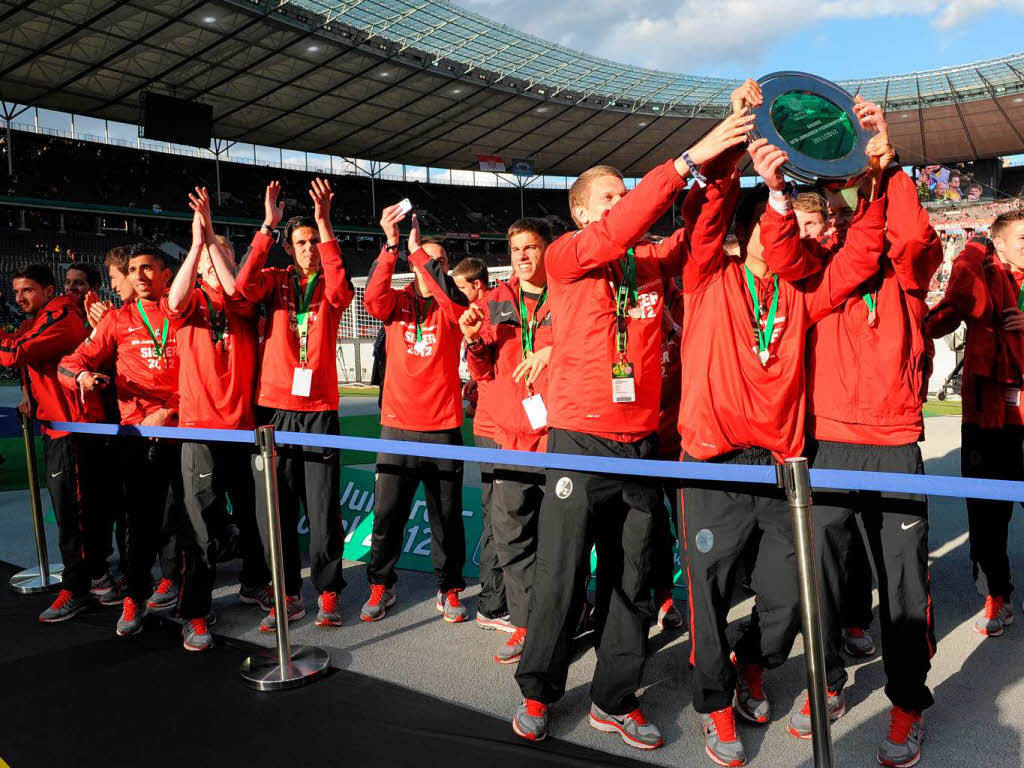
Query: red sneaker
pixel 329 614
pixel 901 747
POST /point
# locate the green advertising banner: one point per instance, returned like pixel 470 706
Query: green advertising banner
pixel 357 515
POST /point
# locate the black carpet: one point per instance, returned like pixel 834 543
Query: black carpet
pixel 74 694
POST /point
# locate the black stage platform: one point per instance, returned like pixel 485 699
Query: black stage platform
pixel 76 695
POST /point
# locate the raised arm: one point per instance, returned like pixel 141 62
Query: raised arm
pixel 856 262
pixel 714 206
pixel 671 253
pixel 449 298
pixel 479 336
pixel 967 295
pixel 914 247
pixel 338 288
pixel 605 239
pixel 184 282
pixel 251 282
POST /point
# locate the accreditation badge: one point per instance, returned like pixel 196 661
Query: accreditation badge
pixel 623 383
pixel 302 382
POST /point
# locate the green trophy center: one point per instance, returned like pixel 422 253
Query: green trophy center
pixel 813 125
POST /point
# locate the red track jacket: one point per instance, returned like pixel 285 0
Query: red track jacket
pixel 217 378
pixel 144 382
pixel 37 349
pixel 495 360
pixel 866 384
pixel 730 401
pixel 980 288
pixel 273 287
pixel 422 391
pixel 583 273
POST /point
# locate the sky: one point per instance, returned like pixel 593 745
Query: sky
pixel 836 39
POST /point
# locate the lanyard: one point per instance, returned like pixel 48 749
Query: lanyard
pixel 1020 296
pixel 763 337
pixel 158 346
pixel 426 311
pixel 302 303
pixel 872 301
pixel 218 320
pixel 529 325
pixel 626 296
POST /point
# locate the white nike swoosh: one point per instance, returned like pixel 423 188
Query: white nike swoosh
pixel 136 328
pixel 57 474
pixel 506 314
pixel 906 527
pixel 201 475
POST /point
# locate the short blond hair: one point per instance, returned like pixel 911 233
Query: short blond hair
pixel 579 192
pixel 809 202
pixel 224 243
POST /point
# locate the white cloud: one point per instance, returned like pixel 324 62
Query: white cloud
pixel 695 36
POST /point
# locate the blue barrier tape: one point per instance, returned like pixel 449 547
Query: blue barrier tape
pixel 885 482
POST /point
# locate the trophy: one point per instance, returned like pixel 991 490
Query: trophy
pixel 812 119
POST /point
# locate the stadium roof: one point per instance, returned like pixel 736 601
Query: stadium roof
pixel 426 82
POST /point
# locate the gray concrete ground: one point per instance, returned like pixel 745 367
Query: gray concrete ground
pixel 978 683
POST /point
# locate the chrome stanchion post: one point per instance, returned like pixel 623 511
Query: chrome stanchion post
pixel 289 667
pixel 798 490
pixel 47 576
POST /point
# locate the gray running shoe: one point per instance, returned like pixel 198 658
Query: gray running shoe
pixel 164 596
pixel 997 615
pixel 901 748
pixel 115 595
pixel 328 613
pixel 634 728
pixel 512 650
pixel 102 585
pixel 196 635
pixel 721 742
pixel 531 720
pixel 262 596
pixel 800 722
pixel 66 606
pixel 132 615
pixel 750 700
pixel 295 612
pixel 381 598
pixel 449 604
pixel 858 642
pixel 500 623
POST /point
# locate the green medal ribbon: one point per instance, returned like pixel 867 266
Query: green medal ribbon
pixel 158 346
pixel 872 302
pixel 426 311
pixel 302 303
pixel 1020 297
pixel 218 320
pixel 627 293
pixel 529 325
pixel 763 337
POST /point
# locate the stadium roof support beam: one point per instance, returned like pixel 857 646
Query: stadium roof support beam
pixel 960 114
pixel 9 112
pixel 920 122
pixel 1002 111
pixel 59 39
pixel 170 21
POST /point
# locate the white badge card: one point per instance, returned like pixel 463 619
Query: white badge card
pixel 536 411
pixel 623 383
pixel 1013 396
pixel 302 381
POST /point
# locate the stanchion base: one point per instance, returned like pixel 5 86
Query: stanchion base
pixel 29 581
pixel 262 672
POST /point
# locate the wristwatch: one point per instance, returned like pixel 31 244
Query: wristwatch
pixel 391 248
